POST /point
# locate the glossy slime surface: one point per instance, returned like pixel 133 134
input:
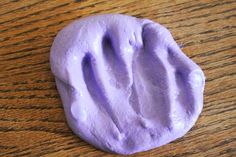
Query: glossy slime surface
pixel 125 84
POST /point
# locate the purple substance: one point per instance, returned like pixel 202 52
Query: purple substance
pixel 125 84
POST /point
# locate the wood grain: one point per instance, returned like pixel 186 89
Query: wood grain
pixel 32 121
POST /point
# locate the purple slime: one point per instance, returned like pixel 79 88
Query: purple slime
pixel 125 84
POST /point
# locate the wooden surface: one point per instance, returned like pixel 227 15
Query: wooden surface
pixel 32 122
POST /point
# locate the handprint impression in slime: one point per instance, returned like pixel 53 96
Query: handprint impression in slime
pixel 125 84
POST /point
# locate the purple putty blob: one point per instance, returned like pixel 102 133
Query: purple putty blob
pixel 125 84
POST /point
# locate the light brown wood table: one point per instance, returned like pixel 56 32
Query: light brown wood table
pixel 32 121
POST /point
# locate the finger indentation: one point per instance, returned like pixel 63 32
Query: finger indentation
pixel 153 103
pixel 114 62
pixel 184 96
pixel 184 68
pixel 96 90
